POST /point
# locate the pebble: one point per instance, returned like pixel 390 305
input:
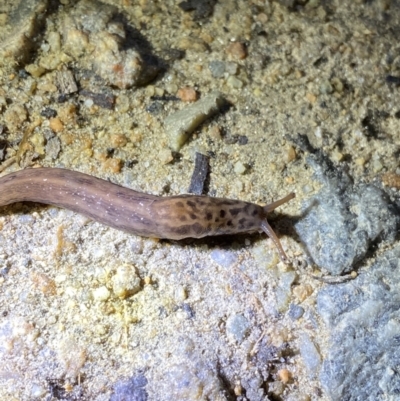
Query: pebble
pixel 187 94
pixel 94 39
pixel 234 83
pixel 237 50
pixel 283 290
pixel 295 311
pixel 126 281
pixel 284 375
pixel 391 179
pixel 239 168
pixel 101 294
pixel 165 156
pixel 217 68
pixel 56 125
pixel 224 258
pixel 310 354
pixel 181 124
pixel 237 326
pixel 15 116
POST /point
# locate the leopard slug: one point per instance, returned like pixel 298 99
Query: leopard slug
pixel 173 217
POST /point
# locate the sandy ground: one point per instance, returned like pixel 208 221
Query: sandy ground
pixel 91 313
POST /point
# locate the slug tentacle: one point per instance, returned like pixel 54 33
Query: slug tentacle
pixel 269 231
pixel 274 205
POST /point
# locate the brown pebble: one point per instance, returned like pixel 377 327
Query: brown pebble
pixel 284 375
pixel 67 113
pixel 391 180
pixel 290 154
pixel 113 165
pixel 56 125
pixel 302 291
pixel 118 140
pixel 311 98
pixel 237 50
pixel 187 94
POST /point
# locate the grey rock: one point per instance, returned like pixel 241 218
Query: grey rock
pixel 344 220
pixel 310 354
pixel 363 317
pixel 132 389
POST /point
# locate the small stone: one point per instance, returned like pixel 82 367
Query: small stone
pixel 337 85
pixel 376 165
pixel 15 116
pixel 165 156
pixel 37 391
pixel 391 180
pixel 187 94
pixel 101 294
pixel 237 50
pixel 53 148
pixel 295 311
pixel 290 154
pixel 284 375
pixel 237 326
pixel 302 292
pixel 56 125
pixel 239 168
pixel 283 290
pixel 181 124
pixel 35 70
pixel 325 88
pixel 310 354
pixel 224 258
pixel 125 282
pixel 311 98
pixel 234 82
pixel 118 140
pixel 113 165
pixel 217 68
pixel 231 68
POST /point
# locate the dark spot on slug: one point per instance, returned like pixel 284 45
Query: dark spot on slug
pixel 216 220
pixel 222 213
pixel 241 223
pixel 235 211
pixel 254 212
pixel 191 204
pixel 229 223
pixel 209 216
pixel 193 216
pixel 247 207
pixel 182 230
pixel 179 204
pixel 197 228
pixel 182 218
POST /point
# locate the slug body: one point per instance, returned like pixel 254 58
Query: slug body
pixel 174 217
